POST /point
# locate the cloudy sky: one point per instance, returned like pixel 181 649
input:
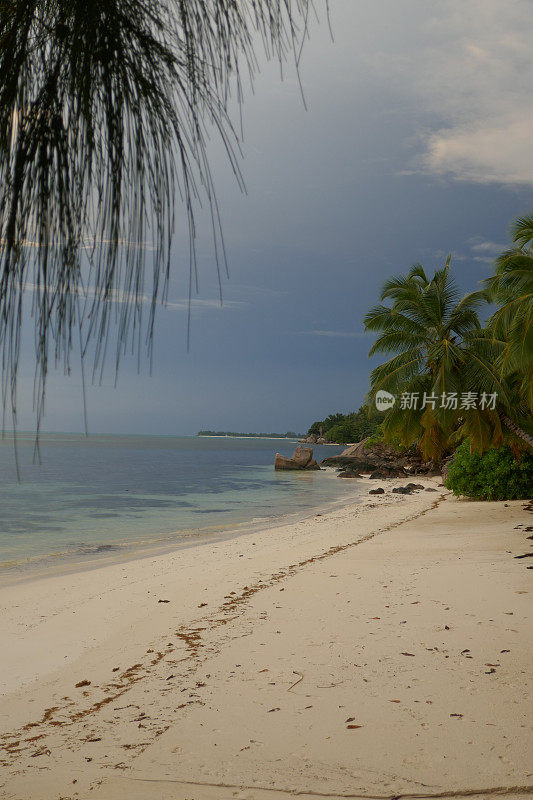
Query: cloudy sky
pixel 416 142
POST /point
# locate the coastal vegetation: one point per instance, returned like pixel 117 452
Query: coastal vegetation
pixel 346 428
pixel 460 372
pixel 511 287
pixel 455 378
pixel 493 475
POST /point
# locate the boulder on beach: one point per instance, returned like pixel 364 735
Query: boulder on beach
pixel 356 450
pixel 345 462
pixel 282 462
pixel 410 487
pixel 302 455
pixel 302 458
pixel 388 472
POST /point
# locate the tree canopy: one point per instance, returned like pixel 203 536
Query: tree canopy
pixel 347 428
pixel 452 376
pixel 511 287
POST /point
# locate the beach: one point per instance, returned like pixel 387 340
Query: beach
pixel 378 650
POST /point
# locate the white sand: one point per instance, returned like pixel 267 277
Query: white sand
pixel 306 630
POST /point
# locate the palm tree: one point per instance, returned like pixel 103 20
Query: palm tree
pixel 106 107
pixel 512 288
pixel 441 354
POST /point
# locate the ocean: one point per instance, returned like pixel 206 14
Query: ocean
pixel 105 495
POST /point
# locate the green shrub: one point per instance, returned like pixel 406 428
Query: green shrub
pixel 493 475
pixel 343 433
pixel 376 438
pixel 379 438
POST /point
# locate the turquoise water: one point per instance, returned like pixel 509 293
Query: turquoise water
pixel 106 493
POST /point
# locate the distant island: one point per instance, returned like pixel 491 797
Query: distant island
pixel 288 435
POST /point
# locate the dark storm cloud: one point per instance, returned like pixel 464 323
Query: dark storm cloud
pixel 415 143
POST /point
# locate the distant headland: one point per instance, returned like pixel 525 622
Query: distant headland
pixel 288 435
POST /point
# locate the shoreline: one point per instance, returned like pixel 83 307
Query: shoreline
pixel 66 563
pixel 101 581
pixel 203 681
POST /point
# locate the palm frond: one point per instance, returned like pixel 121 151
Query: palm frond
pixel 522 231
pixel 396 372
pixel 392 341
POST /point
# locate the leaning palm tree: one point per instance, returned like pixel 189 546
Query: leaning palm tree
pixel 512 323
pixel 442 361
pixel 106 108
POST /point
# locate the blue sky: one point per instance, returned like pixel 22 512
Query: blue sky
pixel 416 142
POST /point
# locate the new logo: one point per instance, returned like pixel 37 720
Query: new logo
pixel 384 400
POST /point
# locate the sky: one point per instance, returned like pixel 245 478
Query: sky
pixel 414 142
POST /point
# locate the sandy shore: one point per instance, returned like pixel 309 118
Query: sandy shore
pixel 379 650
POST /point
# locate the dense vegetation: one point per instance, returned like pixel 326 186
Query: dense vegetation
pixel 454 377
pixel 347 428
pixel 493 475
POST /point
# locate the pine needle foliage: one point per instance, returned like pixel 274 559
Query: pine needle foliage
pixel 106 107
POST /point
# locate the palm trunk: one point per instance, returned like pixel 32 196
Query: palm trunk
pixel 516 430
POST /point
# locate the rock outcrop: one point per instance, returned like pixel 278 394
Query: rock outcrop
pixel 282 462
pixel 302 458
pixel 356 450
pixel 386 471
pixel 382 461
pixel 411 487
pixel 347 462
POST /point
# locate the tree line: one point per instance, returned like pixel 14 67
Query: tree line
pixel 346 428
pixel 458 377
